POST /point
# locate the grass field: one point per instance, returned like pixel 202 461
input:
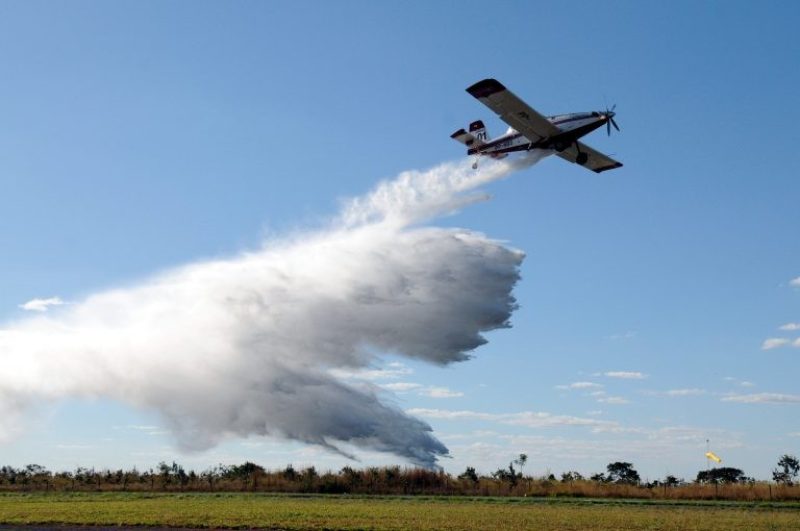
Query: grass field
pixel 390 513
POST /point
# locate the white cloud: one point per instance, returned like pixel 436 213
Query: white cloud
pixel 421 390
pixel 626 375
pixel 763 398
pixel 685 392
pixel 41 305
pixel 796 342
pixel 795 282
pixel 737 381
pixel 580 385
pixel 440 392
pixel 613 400
pixel 391 372
pixel 401 387
pixel 589 453
pixel 790 327
pixel 530 419
pixel 774 342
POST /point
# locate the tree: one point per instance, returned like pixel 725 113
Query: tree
pixel 509 475
pixel 621 472
pixel 469 474
pixel 521 460
pixel 570 476
pixel 788 468
pixel 724 474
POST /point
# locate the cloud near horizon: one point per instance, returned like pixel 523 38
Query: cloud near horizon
pixel 41 305
pixel 250 345
pixel 763 398
pixel 625 375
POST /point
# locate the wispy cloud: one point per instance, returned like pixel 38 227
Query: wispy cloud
pixel 530 419
pixel 613 400
pixel 796 342
pixel 795 282
pixel 685 392
pixel 421 390
pixel 626 375
pixel 790 327
pixel 401 387
pixel 41 305
pixel 440 392
pixel 672 444
pixel 580 385
pixel 737 381
pixel 391 372
pixel 774 342
pixel 146 429
pixel 763 398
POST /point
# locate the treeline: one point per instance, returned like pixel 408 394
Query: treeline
pixel 620 480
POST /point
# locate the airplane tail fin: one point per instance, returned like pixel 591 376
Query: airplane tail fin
pixel 475 138
pixel 478 130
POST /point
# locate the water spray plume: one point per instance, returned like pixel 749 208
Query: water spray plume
pixel 250 345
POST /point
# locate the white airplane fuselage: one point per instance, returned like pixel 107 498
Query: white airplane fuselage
pixel 572 126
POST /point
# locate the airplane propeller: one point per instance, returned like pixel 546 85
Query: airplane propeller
pixel 610 115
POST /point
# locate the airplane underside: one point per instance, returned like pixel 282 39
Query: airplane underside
pixel 531 130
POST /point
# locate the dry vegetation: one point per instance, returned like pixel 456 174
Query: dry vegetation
pixel 379 481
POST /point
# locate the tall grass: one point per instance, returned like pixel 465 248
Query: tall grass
pixel 373 480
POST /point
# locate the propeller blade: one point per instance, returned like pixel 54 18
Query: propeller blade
pixel 614 124
pixel 608 127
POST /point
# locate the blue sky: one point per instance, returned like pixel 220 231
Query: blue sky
pixel 139 136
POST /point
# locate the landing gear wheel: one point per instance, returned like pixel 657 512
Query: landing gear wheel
pixel 582 158
pixel 475 165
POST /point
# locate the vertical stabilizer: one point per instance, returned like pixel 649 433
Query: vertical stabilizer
pixel 478 130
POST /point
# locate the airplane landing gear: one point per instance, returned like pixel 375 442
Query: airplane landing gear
pixel 582 157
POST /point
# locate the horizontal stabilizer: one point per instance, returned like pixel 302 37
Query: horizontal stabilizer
pixel 465 138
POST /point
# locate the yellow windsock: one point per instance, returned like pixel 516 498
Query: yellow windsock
pixel 713 456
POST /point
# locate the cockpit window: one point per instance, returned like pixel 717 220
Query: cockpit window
pixel 595 114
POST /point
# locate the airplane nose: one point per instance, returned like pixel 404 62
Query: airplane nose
pixel 610 114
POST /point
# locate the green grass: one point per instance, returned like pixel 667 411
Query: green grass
pixel 390 513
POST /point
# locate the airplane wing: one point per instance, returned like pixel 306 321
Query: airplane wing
pixel 513 110
pixel 597 162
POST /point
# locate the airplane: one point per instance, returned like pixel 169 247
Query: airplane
pixel 530 130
